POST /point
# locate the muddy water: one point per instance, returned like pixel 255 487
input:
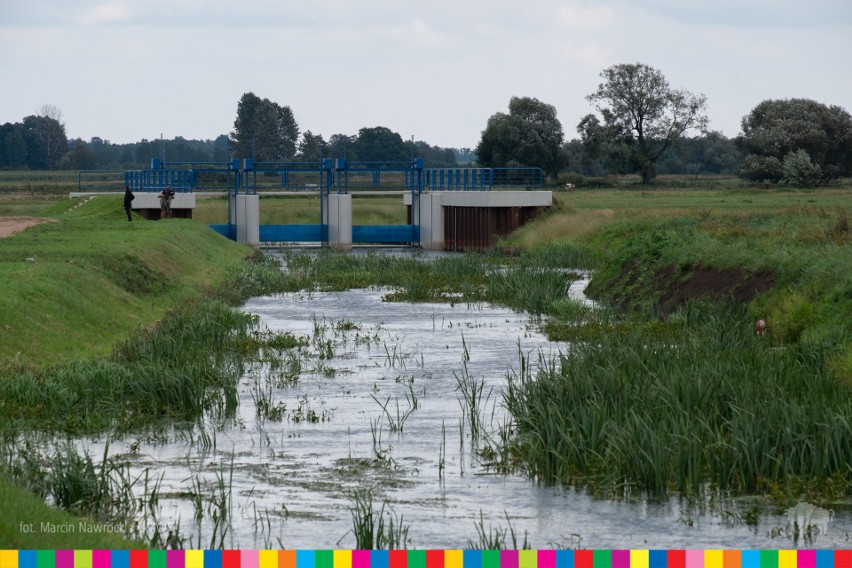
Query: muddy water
pixel 376 404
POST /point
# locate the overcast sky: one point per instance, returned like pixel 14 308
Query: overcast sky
pixel 131 69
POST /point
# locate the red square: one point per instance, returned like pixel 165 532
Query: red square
pixel 434 559
pixel 584 558
pixel 842 558
pixel 676 559
pixel 398 559
pixel 138 559
pixel 231 559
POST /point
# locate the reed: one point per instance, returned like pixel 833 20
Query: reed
pixel 497 538
pixel 376 529
pixel 703 402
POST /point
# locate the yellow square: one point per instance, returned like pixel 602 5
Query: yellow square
pixel 268 559
pixel 639 559
pixel 193 558
pixel 9 558
pixel 342 559
pixel 714 559
pixel 788 558
pixel 453 559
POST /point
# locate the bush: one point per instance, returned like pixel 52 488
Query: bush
pixel 762 169
pixel 800 171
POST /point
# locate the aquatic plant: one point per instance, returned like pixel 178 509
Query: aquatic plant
pixel 371 529
pixel 497 538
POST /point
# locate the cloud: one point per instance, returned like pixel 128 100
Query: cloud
pixel 752 13
pixel 105 14
pixel 576 17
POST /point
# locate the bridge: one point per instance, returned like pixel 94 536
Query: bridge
pixel 446 208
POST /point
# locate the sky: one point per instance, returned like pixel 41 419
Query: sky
pixel 435 70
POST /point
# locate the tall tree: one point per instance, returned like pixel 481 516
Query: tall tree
pixel 779 128
pixel 15 146
pixel 312 147
pixel 264 130
pixel 642 117
pixel 380 144
pixel 530 135
pixel 46 139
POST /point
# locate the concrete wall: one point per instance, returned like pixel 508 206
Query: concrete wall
pixel 483 207
pixel 151 201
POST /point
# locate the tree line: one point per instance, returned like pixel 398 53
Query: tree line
pixel 640 125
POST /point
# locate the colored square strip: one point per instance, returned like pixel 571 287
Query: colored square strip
pixel 425 558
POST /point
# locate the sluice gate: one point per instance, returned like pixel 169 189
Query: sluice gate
pixel 453 209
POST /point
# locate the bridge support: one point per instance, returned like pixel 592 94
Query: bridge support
pixel 337 214
pixel 246 215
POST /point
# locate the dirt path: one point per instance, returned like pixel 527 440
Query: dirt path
pixel 11 225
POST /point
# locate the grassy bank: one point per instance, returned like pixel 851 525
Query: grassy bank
pixel 78 286
pixel 79 300
pixel 673 389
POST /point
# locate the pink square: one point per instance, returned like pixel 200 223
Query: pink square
pixel 250 559
pixel 101 558
pixel 806 559
pixel 360 559
pixel 546 559
pixel 694 559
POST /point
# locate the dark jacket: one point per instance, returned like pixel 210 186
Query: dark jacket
pixel 128 197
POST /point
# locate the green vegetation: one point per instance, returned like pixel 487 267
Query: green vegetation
pixel 73 292
pixel 698 399
pixel 666 387
pixel 79 286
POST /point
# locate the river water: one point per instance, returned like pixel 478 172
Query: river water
pixel 374 403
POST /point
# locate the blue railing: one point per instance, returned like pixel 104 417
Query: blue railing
pixel 100 180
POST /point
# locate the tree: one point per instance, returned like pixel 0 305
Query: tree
pixel 642 117
pixel 45 137
pixel 15 147
pixel 312 147
pixel 264 130
pixel 775 128
pixel 380 144
pixel 80 157
pixel 529 136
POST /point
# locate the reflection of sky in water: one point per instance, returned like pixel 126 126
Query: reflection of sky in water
pixel 292 480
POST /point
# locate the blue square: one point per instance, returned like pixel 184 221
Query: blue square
pixel 564 559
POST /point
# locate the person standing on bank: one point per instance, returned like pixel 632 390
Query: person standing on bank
pixel 128 199
pixel 166 197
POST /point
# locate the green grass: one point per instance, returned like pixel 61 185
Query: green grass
pixel 26 524
pixel 78 286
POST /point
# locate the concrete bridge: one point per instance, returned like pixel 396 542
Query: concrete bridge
pixel 447 208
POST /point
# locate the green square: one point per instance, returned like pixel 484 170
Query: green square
pixel 490 559
pixel 768 559
pixel 602 559
pixel 324 559
pixel 416 559
pixel 45 558
pixel 156 559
